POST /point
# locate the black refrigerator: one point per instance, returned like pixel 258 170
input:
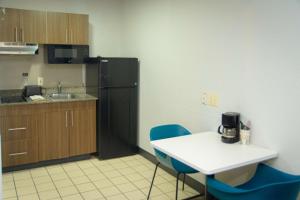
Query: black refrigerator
pixel 115 82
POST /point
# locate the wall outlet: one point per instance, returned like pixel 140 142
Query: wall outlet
pixel 210 99
pixel 204 98
pixel 40 81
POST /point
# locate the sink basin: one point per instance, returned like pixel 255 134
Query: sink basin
pixel 61 96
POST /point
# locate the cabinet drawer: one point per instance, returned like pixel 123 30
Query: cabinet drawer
pixel 17 128
pixel 18 152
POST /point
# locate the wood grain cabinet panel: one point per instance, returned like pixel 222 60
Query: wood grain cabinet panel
pixel 83 129
pixel 33 26
pixel 19 152
pixel 9 25
pixel 18 127
pixel 78 29
pixel 57 28
pixel 54 140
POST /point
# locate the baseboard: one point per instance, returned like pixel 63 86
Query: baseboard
pixel 189 180
pixel 46 163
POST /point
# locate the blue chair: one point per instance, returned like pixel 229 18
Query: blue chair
pixel 163 132
pixel 267 184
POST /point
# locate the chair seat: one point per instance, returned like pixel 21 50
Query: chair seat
pixel 267 183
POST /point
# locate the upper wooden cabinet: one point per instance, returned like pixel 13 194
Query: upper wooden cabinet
pixel 78 29
pixel 63 28
pixel 43 27
pixel 32 26
pixel 22 26
pixel 9 25
pixel 57 28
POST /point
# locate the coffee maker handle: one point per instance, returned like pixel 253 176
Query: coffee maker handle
pixel 219 129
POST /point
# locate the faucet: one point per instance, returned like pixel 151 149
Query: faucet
pixel 59 87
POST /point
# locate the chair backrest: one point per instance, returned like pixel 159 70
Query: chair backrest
pixel 168 131
pixel 163 132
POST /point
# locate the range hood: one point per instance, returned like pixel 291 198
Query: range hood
pixel 16 48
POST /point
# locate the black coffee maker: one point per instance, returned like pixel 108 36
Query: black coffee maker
pixel 230 128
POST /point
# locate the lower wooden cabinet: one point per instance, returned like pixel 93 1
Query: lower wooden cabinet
pixel 54 139
pixel 19 152
pixel 82 130
pixel 47 131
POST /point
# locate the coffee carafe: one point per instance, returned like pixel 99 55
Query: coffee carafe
pixel 230 128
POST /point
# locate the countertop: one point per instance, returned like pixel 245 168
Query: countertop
pixel 78 97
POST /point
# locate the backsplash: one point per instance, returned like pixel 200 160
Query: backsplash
pixel 12 68
pixel 46 91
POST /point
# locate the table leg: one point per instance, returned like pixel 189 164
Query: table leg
pixel 208 196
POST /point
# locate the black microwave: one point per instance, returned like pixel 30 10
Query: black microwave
pixel 67 54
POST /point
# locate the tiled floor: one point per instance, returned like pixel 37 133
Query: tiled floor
pixel 115 179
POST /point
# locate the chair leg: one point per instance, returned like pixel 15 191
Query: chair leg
pixel 153 180
pixel 183 181
pixel 177 179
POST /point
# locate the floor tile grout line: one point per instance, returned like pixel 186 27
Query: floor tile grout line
pixel 34 183
pixel 91 180
pixel 53 183
pixel 72 181
pixel 107 178
pixel 15 185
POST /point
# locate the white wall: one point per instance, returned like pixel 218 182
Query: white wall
pixel 105 40
pixel 248 52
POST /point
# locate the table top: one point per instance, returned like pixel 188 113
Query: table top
pixel 206 152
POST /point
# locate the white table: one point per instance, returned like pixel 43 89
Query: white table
pixel 206 152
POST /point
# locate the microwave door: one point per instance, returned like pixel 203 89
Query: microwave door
pixel 67 54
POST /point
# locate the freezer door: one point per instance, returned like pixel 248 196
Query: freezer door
pixel 119 72
pixel 92 78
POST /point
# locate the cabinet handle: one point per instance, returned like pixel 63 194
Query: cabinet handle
pixel 22 34
pixel 17 154
pixel 72 119
pixel 67 35
pixel 16 34
pixel 66 119
pixel 16 129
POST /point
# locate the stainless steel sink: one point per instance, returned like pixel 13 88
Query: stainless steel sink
pixel 61 96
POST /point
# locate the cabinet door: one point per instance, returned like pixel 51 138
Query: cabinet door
pixel 18 127
pixel 19 152
pixel 78 29
pixel 9 25
pixel 57 28
pixel 83 129
pixel 54 141
pixel 32 26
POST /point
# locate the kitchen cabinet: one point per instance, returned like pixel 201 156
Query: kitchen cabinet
pixel 54 139
pixel 22 26
pixel 70 130
pixel 42 27
pixel 9 24
pixel 57 28
pixel 78 29
pixel 64 28
pixel 40 132
pixel 32 26
pixel 83 129
pixel 19 138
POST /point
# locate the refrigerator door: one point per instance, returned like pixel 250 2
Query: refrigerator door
pixel 118 122
pixel 118 72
